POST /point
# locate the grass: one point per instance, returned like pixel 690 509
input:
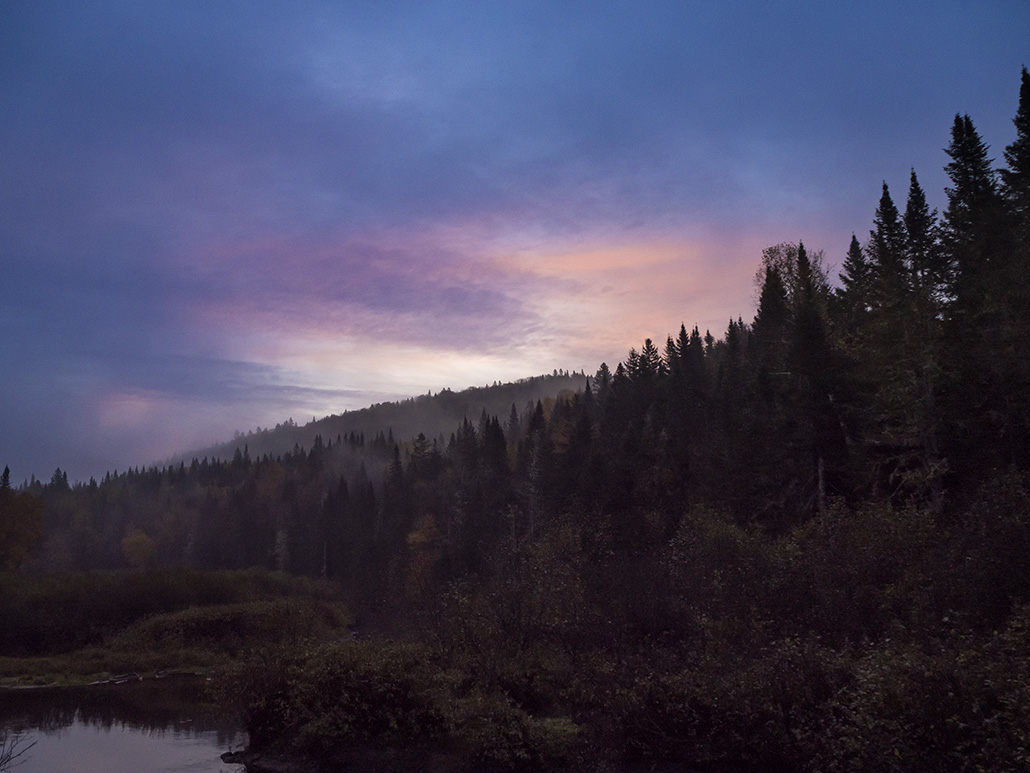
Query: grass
pixel 198 626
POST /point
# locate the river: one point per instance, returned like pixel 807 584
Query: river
pixel 161 725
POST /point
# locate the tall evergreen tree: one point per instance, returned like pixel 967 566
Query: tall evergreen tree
pixel 907 364
pixel 887 242
pixel 973 221
pixel 853 298
pixel 809 339
pixel 1016 178
pixel 771 320
pixel 816 367
pixel 987 413
pixel 930 273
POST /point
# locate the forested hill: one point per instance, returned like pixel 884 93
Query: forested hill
pixel 433 415
pixel 804 545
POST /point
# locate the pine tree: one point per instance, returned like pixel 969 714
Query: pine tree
pixel 904 356
pixel 987 380
pixel 853 298
pixel 1016 178
pixel 809 335
pixel 649 362
pixel 819 442
pixel 973 221
pixel 887 242
pixel 930 272
pixel 771 322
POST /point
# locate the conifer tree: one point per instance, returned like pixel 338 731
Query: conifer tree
pixel 887 243
pixel 772 321
pixel 856 278
pixel 987 409
pixel 930 273
pixel 1016 178
pixel 908 366
pixel 973 221
pixel 817 378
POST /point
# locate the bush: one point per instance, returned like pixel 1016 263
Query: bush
pixel 323 700
pixel 493 732
pixel 233 628
pixel 959 705
pixel 755 715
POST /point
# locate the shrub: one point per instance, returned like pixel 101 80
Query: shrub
pixel 493 732
pixel 232 628
pixel 326 699
pixel 958 705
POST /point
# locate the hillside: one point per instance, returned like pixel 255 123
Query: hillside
pixel 433 415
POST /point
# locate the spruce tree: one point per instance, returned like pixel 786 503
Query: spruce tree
pixel 987 411
pixel 887 252
pixel 973 221
pixel 771 319
pixel 856 277
pixel 930 273
pixel 1016 178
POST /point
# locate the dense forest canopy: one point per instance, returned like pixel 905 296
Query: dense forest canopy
pixel 819 517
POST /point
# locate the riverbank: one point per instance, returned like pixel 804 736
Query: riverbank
pixel 369 760
pixel 77 629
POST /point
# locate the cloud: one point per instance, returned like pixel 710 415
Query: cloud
pixel 217 214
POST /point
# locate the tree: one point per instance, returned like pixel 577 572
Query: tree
pixel 138 548
pixel 809 345
pixel 1016 178
pixel 887 243
pixel 772 318
pixel 12 749
pixel 853 299
pixel 987 380
pixel 59 481
pixel 21 525
pixel 930 273
pixel 920 357
pixel 816 369
pixel 973 219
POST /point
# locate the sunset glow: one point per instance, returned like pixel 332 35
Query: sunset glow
pixel 221 216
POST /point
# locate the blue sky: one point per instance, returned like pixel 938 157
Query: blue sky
pixel 215 216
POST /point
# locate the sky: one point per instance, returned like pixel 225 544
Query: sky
pixel 215 216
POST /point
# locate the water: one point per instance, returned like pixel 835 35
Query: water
pixel 166 726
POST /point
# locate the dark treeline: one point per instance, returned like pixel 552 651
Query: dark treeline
pixel 803 544
pixel 317 510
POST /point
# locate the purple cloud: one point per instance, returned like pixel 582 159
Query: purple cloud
pixel 208 210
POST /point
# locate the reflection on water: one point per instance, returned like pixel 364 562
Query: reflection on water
pixel 156 725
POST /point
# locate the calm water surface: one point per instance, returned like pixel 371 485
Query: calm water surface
pixel 165 725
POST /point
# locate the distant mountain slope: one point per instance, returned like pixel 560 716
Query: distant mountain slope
pixel 432 415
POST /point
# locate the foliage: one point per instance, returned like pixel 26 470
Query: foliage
pixel 21 525
pixel 953 705
pixel 321 699
pixel 234 628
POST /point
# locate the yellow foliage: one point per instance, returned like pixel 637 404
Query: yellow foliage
pixel 138 548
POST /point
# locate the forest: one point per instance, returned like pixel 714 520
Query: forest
pixel 802 545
